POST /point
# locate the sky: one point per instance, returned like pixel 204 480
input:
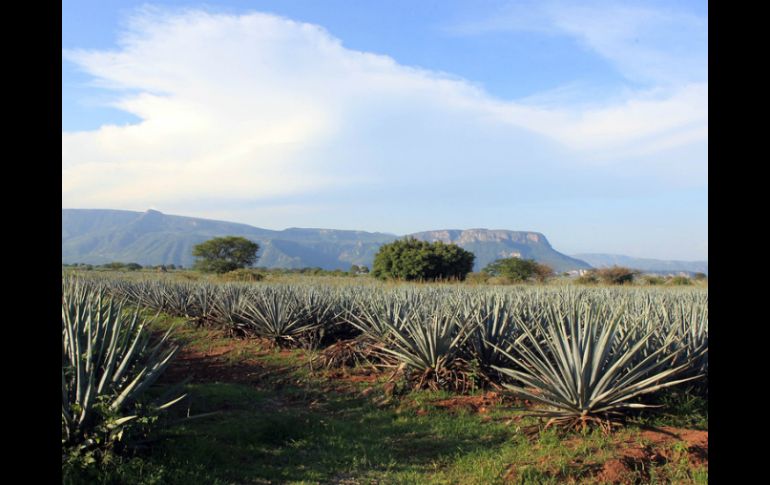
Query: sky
pixel 584 120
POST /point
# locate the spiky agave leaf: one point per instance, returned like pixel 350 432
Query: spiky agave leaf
pixel 229 304
pixel 107 363
pixel 496 328
pixel 583 364
pixel 430 346
pixel 204 298
pixel 278 315
pixel 379 315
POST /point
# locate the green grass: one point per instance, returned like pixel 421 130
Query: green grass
pixel 681 409
pixel 293 426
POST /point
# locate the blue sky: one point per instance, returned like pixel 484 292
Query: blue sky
pixel 587 121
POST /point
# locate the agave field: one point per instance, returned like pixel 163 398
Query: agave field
pixel 580 357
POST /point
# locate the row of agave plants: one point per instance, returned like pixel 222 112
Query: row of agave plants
pixel 584 354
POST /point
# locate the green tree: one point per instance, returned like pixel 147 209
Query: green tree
pixel 410 259
pixel 224 254
pixel 517 269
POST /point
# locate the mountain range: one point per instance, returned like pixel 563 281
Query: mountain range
pixel 98 236
pixel 599 260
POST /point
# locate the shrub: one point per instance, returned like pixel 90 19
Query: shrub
pixel 616 275
pixel 411 259
pixel 589 278
pixel 517 270
pixel 680 281
pixel 114 266
pixel 653 280
pixel 477 278
pixel 543 272
pixel 243 274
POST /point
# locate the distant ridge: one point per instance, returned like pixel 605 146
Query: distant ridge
pixel 98 236
pixel 598 260
pixel 489 245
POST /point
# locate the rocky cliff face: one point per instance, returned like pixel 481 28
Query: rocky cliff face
pixel 491 244
pixel 468 236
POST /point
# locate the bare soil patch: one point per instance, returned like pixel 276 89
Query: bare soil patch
pixel 633 457
pixel 212 364
pixel 478 404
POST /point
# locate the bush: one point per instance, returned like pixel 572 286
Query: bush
pixel 243 274
pixel 589 278
pixel 543 272
pixel 680 281
pixel 477 278
pixel 515 270
pixel 616 275
pixel 118 266
pixel 410 259
pixel 653 280
pixel 114 266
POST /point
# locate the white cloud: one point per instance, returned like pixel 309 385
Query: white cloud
pixel 647 43
pixel 255 106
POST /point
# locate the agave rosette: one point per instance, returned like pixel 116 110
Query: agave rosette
pixel 108 362
pixel 583 365
pixel 276 314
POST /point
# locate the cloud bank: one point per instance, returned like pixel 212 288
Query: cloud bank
pixel 254 109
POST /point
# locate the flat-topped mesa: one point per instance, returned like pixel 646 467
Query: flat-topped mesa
pixel 459 236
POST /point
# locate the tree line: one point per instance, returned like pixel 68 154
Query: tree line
pixel 407 259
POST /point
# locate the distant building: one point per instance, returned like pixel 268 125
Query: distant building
pixel 578 272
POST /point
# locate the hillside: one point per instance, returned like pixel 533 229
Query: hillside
pixel 99 236
pixel 644 264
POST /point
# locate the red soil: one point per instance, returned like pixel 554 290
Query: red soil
pixel 477 404
pixel 657 449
